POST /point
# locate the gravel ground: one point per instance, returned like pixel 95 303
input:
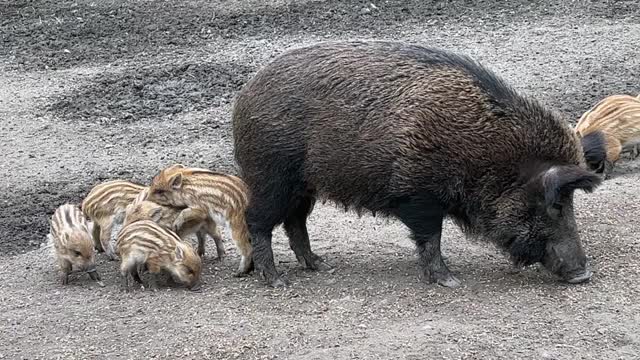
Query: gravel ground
pixel 118 89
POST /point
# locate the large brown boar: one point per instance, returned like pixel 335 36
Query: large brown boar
pixel 411 132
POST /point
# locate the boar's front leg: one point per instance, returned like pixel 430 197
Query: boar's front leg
pixel 424 219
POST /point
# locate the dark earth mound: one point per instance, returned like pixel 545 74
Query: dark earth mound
pixel 63 34
pixel 152 91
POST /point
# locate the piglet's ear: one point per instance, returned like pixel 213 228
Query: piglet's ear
pixel 175 181
pixel 142 196
pixel 176 166
pixel 561 180
pixel 179 253
pixel 156 214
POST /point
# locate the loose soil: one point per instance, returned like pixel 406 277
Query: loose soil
pixel 93 91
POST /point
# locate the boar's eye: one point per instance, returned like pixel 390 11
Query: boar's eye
pixel 556 210
pixel 77 253
pixel 158 191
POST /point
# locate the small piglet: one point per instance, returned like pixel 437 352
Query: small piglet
pixel 72 243
pixel 145 245
pixel 608 130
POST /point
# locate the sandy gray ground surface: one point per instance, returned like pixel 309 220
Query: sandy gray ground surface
pixel 119 89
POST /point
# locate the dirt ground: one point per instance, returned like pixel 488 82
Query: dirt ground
pixel 100 90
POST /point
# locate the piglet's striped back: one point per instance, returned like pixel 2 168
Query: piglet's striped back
pixel 616 115
pixel 146 236
pixel 110 195
pixel 67 217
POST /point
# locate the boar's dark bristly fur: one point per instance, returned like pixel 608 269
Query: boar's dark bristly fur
pixel 411 132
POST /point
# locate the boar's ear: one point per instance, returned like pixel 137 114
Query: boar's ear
pixel 179 253
pixel 175 181
pixel 560 180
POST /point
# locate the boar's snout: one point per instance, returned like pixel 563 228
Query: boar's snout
pixel 568 260
pixel 580 278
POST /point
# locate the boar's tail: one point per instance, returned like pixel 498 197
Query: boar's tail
pixel 594 146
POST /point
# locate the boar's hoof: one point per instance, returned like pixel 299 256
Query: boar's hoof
pixel 319 265
pixel 314 262
pixel 449 281
pixel 279 282
pixel 443 279
pixel 580 278
pixel 276 281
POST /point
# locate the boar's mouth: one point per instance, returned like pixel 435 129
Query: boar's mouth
pixel 523 252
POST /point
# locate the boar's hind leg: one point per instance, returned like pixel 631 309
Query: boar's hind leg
pixel 268 208
pixel 425 223
pixel 295 225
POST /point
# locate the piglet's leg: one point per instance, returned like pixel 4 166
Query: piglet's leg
pixel 214 231
pixel 125 281
pixel 202 237
pixel 135 274
pixel 65 270
pixel 635 151
pixel 608 169
pixel 153 281
pixel 424 218
pixel 127 265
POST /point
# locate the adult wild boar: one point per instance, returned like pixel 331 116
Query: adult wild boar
pixel 410 132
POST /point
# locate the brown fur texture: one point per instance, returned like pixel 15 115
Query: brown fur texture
pixel 416 133
pixel 145 245
pixel 102 203
pixel 72 243
pixel 222 197
pixel 183 221
pixel 610 128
